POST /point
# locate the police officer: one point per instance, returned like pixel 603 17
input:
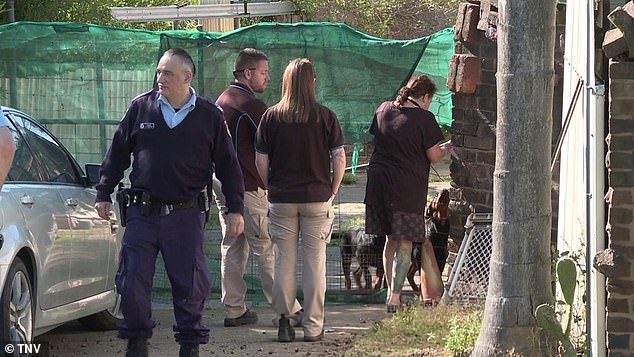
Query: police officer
pixel 177 139
pixel 242 111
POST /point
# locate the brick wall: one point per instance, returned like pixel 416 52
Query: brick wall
pixel 475 107
pixel 620 225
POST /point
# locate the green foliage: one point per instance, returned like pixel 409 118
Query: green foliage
pixel 576 315
pixel 463 335
pixel 435 178
pixel 349 179
pixel 384 18
pixel 354 223
pixel 3 9
pixel 418 331
pixel 248 21
pixel 89 11
pixel 547 317
pixel 567 274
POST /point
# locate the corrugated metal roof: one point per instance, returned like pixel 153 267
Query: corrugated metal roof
pixel 208 11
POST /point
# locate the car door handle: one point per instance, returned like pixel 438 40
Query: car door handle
pixel 71 202
pixel 27 200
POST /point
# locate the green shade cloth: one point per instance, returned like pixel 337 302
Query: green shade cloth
pixel 78 79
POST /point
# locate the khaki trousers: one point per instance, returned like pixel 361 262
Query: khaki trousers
pixel 313 221
pixel 235 251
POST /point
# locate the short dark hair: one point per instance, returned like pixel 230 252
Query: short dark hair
pixel 248 58
pixel 184 56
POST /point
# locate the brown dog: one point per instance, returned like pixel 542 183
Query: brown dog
pixel 437 232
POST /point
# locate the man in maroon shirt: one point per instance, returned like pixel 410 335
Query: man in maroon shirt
pixel 242 112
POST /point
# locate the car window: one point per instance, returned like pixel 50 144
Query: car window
pixel 55 162
pixel 24 166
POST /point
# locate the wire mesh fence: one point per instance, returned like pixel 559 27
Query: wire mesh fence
pixel 350 216
pixel 349 210
pixel 335 281
pixel 469 278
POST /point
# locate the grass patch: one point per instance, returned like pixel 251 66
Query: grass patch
pixel 435 178
pixel 463 335
pixel 353 223
pixel 349 179
pixel 427 330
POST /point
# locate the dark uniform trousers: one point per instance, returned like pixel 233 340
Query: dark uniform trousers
pixel 179 236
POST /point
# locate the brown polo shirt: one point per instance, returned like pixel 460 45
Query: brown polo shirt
pixel 299 156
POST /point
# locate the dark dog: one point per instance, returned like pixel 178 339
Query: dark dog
pixel 437 231
pixel 368 250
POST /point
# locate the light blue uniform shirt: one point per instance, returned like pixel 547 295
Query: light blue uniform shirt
pixel 3 120
pixel 172 117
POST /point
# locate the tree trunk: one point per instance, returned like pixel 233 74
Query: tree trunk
pixel 520 278
pixel 10 10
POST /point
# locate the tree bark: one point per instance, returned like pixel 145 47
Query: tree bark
pixel 520 278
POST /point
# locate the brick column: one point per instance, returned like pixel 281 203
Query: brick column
pixel 620 221
pixel 475 111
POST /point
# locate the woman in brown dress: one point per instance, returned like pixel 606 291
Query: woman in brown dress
pixel 406 141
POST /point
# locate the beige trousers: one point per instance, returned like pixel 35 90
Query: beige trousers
pixel 235 251
pixel 313 221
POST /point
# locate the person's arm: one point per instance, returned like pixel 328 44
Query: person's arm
pixel 439 151
pixel 262 150
pixel 262 165
pixel 337 153
pixel 229 174
pixel 7 150
pixel 339 167
pixel 114 164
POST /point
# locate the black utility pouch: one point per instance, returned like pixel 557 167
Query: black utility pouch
pixel 146 203
pixel 123 199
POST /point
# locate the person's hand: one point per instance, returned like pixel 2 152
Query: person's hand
pixel 447 147
pixel 235 224
pixel 103 209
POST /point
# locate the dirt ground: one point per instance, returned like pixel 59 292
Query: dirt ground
pixel 344 323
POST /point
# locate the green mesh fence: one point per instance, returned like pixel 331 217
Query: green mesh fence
pixel 78 80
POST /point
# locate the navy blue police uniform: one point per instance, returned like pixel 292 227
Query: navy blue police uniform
pixel 171 167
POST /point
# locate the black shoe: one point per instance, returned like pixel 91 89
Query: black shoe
pixel 137 347
pixel 249 317
pixel 286 332
pixel 188 350
pixel 314 338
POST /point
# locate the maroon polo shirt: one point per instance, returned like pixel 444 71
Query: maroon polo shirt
pixel 242 112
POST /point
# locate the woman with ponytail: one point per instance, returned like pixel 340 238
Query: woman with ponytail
pixel 298 143
pixel 407 139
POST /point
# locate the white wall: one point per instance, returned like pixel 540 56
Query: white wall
pixel 581 209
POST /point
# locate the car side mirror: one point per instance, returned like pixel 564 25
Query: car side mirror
pixel 92 174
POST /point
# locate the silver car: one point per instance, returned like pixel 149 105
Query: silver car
pixel 58 259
